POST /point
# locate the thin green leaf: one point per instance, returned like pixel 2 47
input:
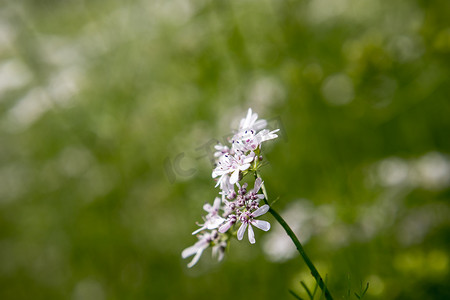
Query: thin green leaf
pixel 307 290
pixel 315 289
pixel 295 295
pixel 365 290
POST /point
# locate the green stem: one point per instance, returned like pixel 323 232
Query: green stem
pixel 297 244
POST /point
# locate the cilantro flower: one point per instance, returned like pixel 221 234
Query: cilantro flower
pixel 248 219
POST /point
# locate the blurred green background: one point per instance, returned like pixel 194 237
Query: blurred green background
pixel 108 108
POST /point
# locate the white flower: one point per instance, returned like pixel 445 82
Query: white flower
pixel 249 140
pixel 204 241
pixel 212 219
pixel 198 248
pixel 247 219
pixel 232 164
pixel 251 122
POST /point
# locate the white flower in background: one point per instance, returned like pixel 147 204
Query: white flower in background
pixel 232 164
pixel 212 219
pixel 248 219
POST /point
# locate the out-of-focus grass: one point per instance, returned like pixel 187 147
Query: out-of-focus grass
pixel 99 99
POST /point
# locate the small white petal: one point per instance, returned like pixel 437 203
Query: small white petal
pixel 189 251
pixel 260 211
pixel 196 258
pixel 198 230
pixel 207 207
pixel 234 177
pixel 263 225
pixel 245 122
pixel 258 183
pixel 251 234
pixel 217 203
pixel 241 231
pixel 249 159
pixel 244 167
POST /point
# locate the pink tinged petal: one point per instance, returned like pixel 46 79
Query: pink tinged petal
pixel 207 207
pixel 224 228
pixel 217 203
pixel 251 234
pixel 189 251
pixel 196 258
pixel 253 120
pixel 194 248
pixel 234 177
pixel 260 211
pixel 263 225
pixel 241 231
pixel 260 196
pixel 245 122
pixel 258 183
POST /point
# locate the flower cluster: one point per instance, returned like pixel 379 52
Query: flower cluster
pixel 235 212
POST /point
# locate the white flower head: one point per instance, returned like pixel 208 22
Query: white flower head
pixel 204 240
pixel 232 164
pixel 236 204
pixel 248 138
pixel 212 219
pixel 248 219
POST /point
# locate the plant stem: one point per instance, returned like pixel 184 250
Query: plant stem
pixel 297 244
